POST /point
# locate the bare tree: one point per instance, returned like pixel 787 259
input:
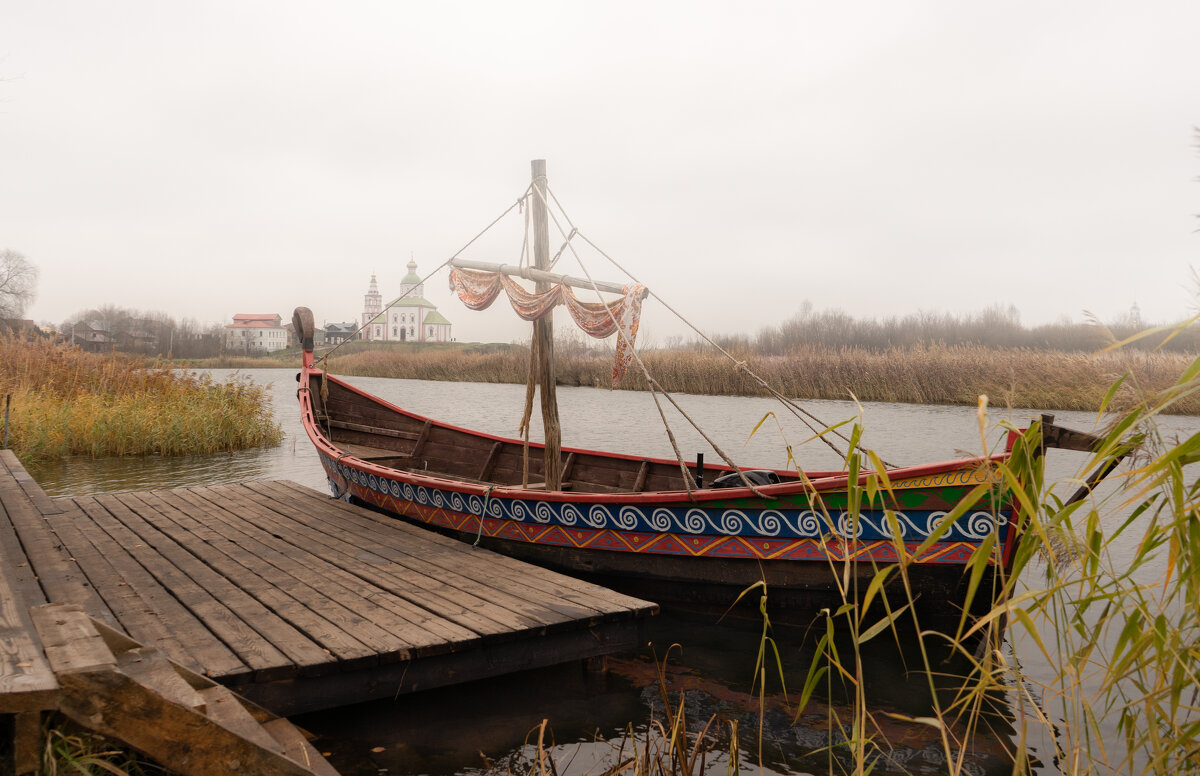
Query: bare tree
pixel 18 284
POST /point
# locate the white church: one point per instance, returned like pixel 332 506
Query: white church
pixel 407 318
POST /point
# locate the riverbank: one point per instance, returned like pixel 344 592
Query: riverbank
pixel 64 402
pixel 952 375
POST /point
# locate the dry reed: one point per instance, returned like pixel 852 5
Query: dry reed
pixel 67 402
pixel 1015 377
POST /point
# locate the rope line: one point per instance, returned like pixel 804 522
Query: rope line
pixel 799 412
pixel 325 356
pixel 646 372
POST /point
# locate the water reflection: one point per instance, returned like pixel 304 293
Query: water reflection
pixel 492 726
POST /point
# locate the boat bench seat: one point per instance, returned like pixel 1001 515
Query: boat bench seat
pixel 367 453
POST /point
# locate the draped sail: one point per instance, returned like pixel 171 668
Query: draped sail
pixel 622 316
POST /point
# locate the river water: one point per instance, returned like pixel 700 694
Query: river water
pixel 591 712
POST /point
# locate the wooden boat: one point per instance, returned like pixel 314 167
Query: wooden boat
pixel 644 526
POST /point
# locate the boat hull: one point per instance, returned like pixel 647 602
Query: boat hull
pixel 809 547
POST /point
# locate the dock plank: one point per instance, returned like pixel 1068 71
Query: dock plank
pixel 412 625
pixel 527 609
pixel 57 572
pixel 235 563
pixel 177 571
pixel 498 569
pixel 16 564
pixel 143 607
pixel 280 651
pixel 313 582
pixel 467 608
pixel 26 681
pixel 471 570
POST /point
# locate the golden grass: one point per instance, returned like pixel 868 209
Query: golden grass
pixel 67 402
pixel 1016 377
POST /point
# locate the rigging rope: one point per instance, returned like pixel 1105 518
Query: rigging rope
pixel 646 372
pixel 519 203
pixel 799 412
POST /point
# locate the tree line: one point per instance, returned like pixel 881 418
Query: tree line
pixel 993 327
pixel 148 333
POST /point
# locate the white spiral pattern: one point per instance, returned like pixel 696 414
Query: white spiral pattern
pixel 597 516
pixel 809 523
pixel 847 528
pixel 692 520
pixel 571 514
pixel 980 525
pixel 771 522
pixel 660 520
pixel 627 517
pixel 731 522
pixel 542 512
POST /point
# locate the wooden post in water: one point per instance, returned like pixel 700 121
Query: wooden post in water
pixel 543 332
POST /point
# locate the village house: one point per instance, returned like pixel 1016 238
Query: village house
pixel 337 333
pixel 255 333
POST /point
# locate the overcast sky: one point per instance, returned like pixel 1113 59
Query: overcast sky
pixel 883 158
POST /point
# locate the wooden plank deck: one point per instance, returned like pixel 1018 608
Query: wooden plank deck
pixel 298 601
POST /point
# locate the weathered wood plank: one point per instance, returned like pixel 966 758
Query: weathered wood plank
pixel 228 612
pixel 380 430
pixel 554 595
pixel 145 609
pixel 222 707
pixel 32 491
pixel 323 586
pixel 639 482
pixel 149 668
pixel 296 747
pixel 422 438
pixel 490 461
pixel 17 567
pixel 56 570
pixel 519 609
pixel 71 643
pixel 115 706
pixel 431 593
pixel 26 681
pixel 234 563
pixel 423 541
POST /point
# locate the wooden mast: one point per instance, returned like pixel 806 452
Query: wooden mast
pixel 543 332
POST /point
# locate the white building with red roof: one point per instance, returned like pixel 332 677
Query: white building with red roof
pixel 255 333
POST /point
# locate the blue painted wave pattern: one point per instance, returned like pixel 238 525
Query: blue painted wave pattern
pixel 912 525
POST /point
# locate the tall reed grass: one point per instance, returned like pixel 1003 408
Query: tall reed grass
pixel 1085 655
pixel 1103 597
pixel 68 402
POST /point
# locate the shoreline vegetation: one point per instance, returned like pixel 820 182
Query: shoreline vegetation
pixel 1022 377
pixel 67 402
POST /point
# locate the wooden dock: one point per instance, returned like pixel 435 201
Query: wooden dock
pixel 297 601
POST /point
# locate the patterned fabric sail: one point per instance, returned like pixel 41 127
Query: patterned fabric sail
pixel 622 316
